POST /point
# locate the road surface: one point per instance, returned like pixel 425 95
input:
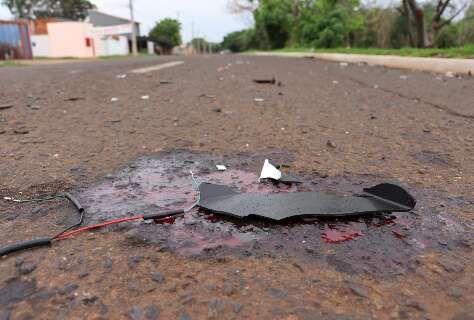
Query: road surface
pixel 86 128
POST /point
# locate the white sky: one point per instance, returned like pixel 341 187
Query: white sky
pixel 211 18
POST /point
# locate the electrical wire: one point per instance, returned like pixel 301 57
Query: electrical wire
pixel 65 235
pixel 68 232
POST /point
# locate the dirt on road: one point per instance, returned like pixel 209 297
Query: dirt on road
pixel 125 144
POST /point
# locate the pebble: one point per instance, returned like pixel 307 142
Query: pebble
pixel 69 288
pixel 21 130
pixel 331 144
pixel 228 288
pixel 134 261
pixel 237 308
pixel 184 316
pixel 157 277
pixel 450 265
pixel 276 293
pixel 26 268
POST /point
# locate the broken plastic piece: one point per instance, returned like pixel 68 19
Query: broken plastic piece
pixel 263 81
pixel 278 206
pixel 221 167
pixel 269 171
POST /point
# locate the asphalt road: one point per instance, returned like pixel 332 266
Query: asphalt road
pixel 73 126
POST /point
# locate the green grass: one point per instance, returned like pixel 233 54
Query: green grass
pixel 9 64
pixel 466 52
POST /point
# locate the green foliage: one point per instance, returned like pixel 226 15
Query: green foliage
pixel 239 41
pixel 167 33
pixel 344 23
pixel 447 37
pixel 31 9
pixel 273 23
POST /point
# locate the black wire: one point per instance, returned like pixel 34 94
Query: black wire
pixel 81 211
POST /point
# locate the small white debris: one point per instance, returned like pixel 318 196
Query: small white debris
pixel 114 99
pixel 449 74
pixel 335 82
pixel 221 167
pixel 376 86
pixel 269 171
pixel 343 64
pixel 56 155
pixel 146 97
pixel 258 99
pixel 7 198
pixel 121 76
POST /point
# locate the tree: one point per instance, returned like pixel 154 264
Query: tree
pixel 273 23
pixel 167 33
pixel 32 9
pixel 442 14
pixel 239 41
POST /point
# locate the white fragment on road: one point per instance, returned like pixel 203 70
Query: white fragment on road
pixel 269 171
pixel 114 99
pixel 145 97
pixel 335 82
pixel 258 100
pixel 121 76
pixel 449 74
pixel 157 67
pixel 221 167
pixel 343 64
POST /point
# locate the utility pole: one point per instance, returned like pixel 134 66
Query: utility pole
pixel 134 30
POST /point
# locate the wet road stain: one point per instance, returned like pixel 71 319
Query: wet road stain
pixel 382 244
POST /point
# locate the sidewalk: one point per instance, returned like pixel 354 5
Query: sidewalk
pixel 439 65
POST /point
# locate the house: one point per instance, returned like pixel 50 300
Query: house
pixel 115 33
pixel 99 35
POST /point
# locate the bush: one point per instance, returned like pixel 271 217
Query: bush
pixel 447 37
pixel 167 34
pixel 239 41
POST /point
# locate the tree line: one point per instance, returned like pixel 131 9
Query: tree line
pixel 348 23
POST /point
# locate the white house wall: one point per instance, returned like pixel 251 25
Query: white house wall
pixel 40 46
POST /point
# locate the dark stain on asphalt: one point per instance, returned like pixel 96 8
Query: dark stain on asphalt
pixel 383 244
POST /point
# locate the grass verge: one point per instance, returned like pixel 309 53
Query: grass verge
pixel 466 52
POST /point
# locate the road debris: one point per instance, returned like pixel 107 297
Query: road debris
pixel 272 172
pixel 221 167
pixel 258 99
pixel 269 171
pixel 121 76
pixel 114 99
pixel 6 106
pixel 265 81
pixel 145 97
pixel 224 200
pixel 74 98
pixel 331 144
pixel 210 96
pixel 217 110
pixel 166 82
pixel 343 64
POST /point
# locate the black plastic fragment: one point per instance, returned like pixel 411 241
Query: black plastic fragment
pixel 278 206
pixel 265 81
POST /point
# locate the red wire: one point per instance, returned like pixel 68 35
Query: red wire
pixel 96 226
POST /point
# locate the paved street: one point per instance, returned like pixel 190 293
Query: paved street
pixel 81 126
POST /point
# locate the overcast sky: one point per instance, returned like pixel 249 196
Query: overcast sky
pixel 210 17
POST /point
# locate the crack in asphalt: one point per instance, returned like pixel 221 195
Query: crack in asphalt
pixel 429 103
